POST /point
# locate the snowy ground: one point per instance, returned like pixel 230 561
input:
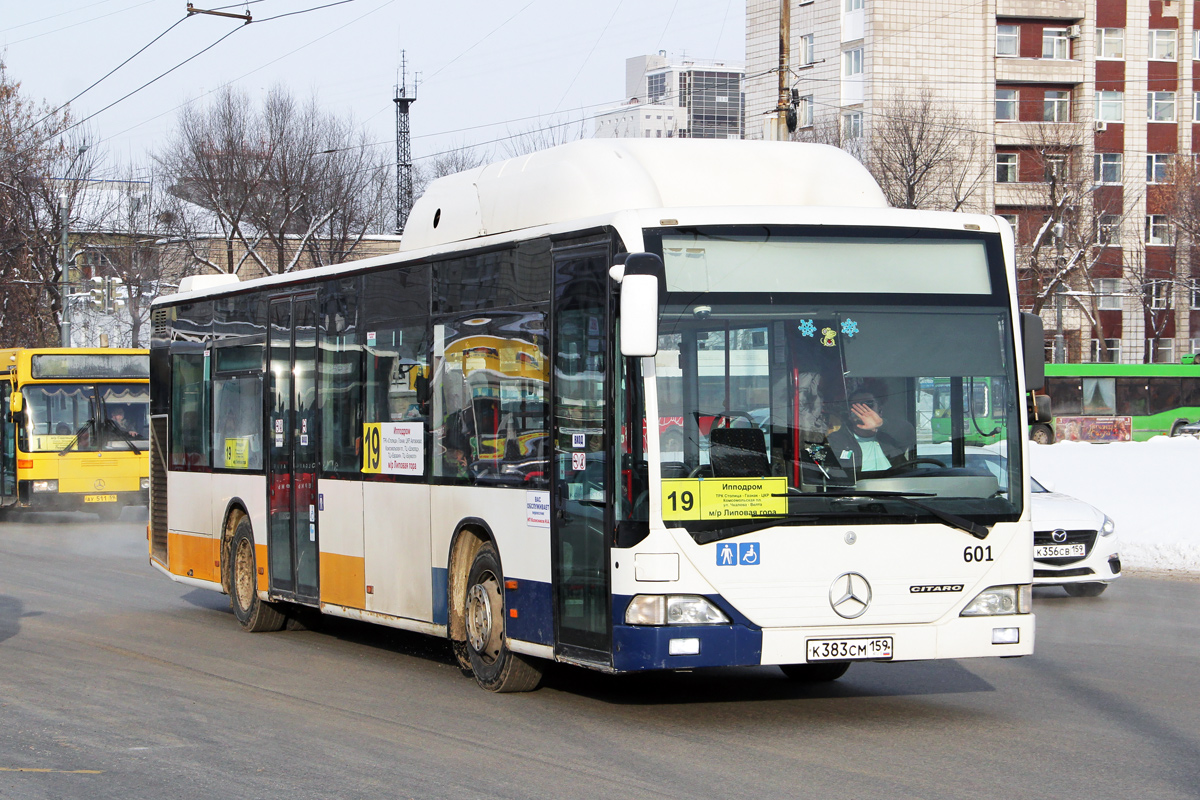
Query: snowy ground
pixel 1150 489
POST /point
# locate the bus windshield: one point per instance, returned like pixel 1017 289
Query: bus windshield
pixel 842 409
pixel 86 417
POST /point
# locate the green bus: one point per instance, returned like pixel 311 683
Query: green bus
pixel 1118 402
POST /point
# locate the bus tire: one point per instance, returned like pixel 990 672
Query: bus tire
pixel 496 668
pixel 1085 589
pixel 252 613
pixel 1179 423
pixel 815 673
pixel 1042 434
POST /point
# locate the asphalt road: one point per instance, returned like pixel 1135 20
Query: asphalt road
pixel 116 683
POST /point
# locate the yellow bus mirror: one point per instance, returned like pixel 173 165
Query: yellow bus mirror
pixel 16 403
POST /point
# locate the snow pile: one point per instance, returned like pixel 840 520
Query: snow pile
pixel 1148 488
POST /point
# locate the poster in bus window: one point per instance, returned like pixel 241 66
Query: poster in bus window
pixel 391 448
pixel 1093 429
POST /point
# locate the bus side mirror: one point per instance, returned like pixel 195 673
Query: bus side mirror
pixel 639 281
pixel 1033 340
pixel 16 403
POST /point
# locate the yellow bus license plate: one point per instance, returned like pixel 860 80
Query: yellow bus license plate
pixel 99 498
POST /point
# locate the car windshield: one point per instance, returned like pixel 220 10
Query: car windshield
pixel 816 407
pixel 60 416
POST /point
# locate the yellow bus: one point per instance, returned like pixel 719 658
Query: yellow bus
pixel 75 429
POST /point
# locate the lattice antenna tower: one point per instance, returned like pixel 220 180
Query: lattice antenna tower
pixel 404 168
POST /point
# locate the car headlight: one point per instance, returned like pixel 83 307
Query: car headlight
pixel 145 483
pixel 673 609
pixel 1000 600
pixel 45 486
pixel 1108 527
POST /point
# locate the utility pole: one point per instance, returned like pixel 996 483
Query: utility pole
pixel 64 278
pixel 404 167
pixel 777 123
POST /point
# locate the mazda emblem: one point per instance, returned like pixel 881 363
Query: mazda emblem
pixel 1059 536
pixel 849 595
pixel 99 484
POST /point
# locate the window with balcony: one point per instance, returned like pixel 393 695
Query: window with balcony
pixel 1110 43
pixel 1158 167
pixel 852 63
pixel 1011 219
pixel 1158 230
pixel 1162 45
pixel 1160 106
pixel 1056 106
pixel 1106 290
pixel 853 5
pixel 1008 40
pixel 1162 351
pixel 1006 105
pixel 1108 167
pixel 1006 167
pixel 1159 293
pixel 1110 106
pixel 1055 43
pixel 852 125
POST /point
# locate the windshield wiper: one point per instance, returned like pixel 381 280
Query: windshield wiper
pixel 953 520
pixel 75 438
pixel 110 424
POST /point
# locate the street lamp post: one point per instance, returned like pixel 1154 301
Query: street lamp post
pixel 64 291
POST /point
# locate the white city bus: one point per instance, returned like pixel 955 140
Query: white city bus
pixel 596 411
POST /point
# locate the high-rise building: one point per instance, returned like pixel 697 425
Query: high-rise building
pixel 688 98
pixel 1076 115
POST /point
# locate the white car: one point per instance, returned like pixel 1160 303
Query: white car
pixel 1075 545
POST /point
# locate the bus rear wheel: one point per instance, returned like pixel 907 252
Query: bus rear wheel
pixel 816 673
pixel 252 613
pixel 1041 434
pixel 496 668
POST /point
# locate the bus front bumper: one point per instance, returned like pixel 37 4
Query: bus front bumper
pixel 78 501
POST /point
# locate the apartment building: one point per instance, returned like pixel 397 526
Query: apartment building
pixel 687 98
pixel 1085 112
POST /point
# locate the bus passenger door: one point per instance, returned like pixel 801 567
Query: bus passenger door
pixel 582 449
pixel 292 460
pixel 8 449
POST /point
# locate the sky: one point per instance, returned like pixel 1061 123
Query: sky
pixel 1148 488
pixel 487 70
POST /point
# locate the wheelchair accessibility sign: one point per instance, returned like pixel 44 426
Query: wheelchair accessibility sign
pixel 741 554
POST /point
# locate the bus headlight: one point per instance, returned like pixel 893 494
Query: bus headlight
pixel 144 483
pixel 673 609
pixel 1108 527
pixel 1000 600
pixel 45 486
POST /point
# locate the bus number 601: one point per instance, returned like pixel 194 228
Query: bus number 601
pixel 977 553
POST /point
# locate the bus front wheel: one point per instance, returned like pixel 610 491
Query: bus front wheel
pixel 1041 434
pixel 252 613
pixel 496 668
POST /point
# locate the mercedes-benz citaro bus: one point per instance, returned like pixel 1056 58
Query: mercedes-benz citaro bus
pixel 74 429
pixel 628 405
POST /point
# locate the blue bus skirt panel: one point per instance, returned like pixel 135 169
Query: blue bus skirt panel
pixel 532 600
pixel 645 647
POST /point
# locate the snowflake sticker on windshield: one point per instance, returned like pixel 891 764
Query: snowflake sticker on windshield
pixel 849 327
pixel 807 327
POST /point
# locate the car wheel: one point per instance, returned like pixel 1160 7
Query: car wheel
pixel 252 613
pixel 496 668
pixel 815 673
pixel 1042 434
pixel 1085 589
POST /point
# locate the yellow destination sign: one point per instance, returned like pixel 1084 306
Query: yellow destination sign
pixel 237 453
pixel 723 498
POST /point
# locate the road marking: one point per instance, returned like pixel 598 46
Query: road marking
pixel 63 771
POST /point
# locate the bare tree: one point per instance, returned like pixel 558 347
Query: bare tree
pixel 459 158
pixel 45 168
pixel 924 157
pixel 274 184
pixel 531 139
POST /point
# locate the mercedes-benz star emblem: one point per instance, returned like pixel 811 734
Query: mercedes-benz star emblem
pixel 850 594
pixel 99 484
pixel 1059 536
